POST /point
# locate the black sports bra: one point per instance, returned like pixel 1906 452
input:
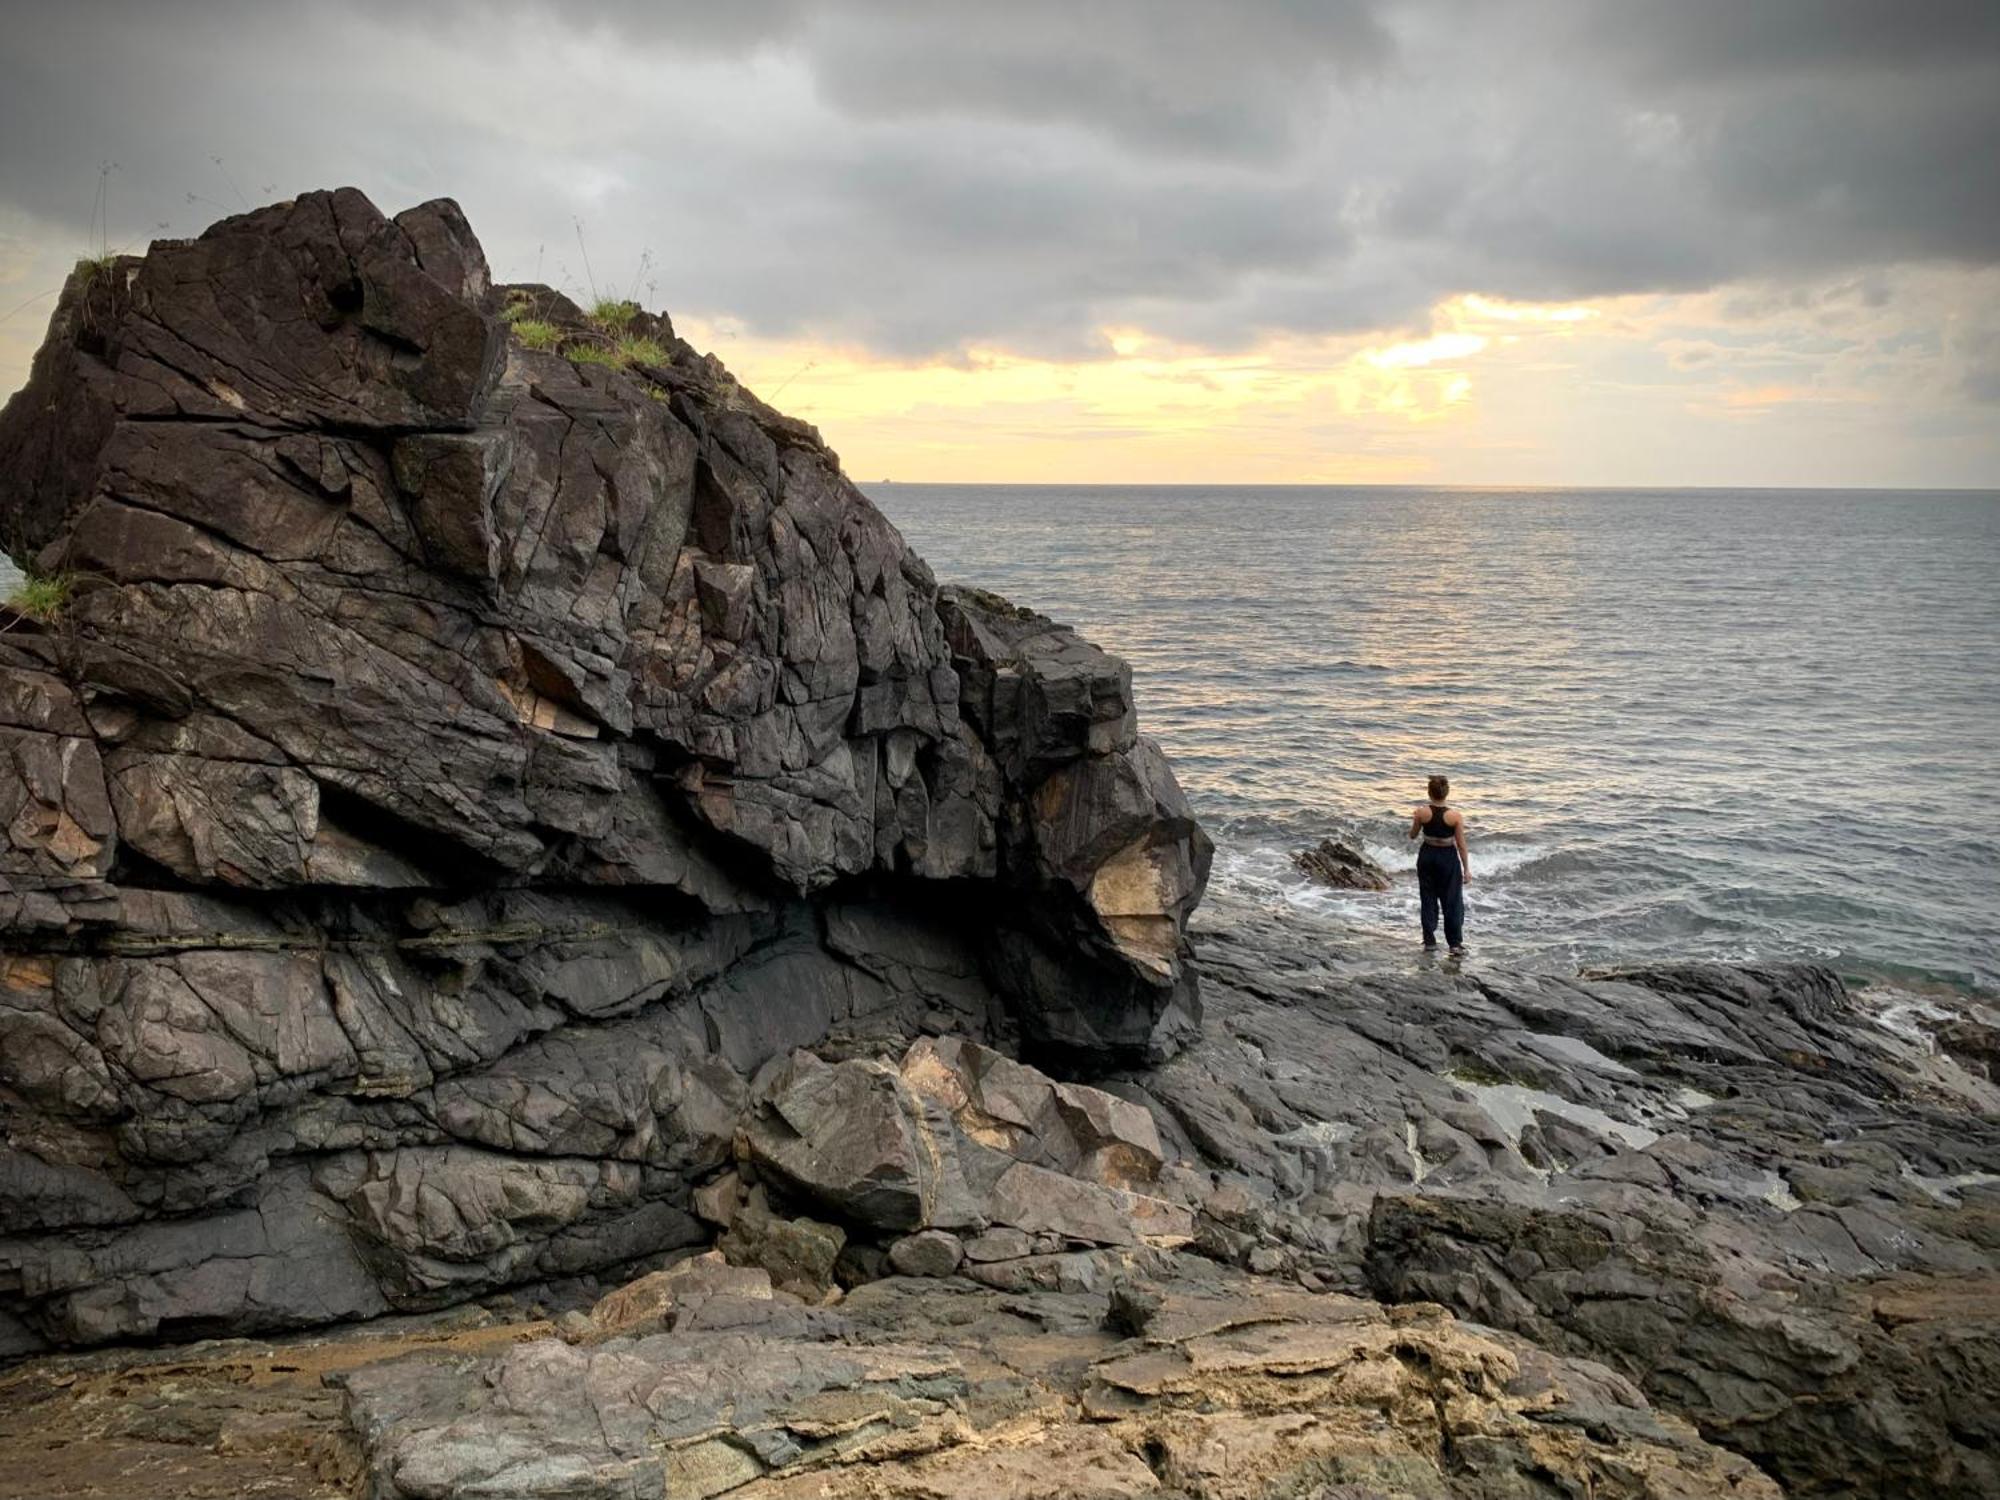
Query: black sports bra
pixel 1437 831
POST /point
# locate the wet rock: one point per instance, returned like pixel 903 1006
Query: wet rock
pixel 1692 1173
pixel 1339 864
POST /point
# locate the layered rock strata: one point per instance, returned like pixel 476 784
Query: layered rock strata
pixel 1770 1202
pixel 459 766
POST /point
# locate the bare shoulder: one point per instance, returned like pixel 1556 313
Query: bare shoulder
pixel 1455 818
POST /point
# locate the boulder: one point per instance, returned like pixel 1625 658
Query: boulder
pixel 1339 864
pixel 795 1255
pixel 959 1137
pixel 928 1252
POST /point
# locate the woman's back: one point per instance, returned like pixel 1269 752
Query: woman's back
pixel 1442 865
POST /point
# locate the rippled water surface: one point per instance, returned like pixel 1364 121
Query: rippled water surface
pixel 1698 723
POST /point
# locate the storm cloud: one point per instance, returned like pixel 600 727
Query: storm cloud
pixel 930 178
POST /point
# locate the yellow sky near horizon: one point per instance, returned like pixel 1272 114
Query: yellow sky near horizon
pixel 1846 383
pixel 1658 389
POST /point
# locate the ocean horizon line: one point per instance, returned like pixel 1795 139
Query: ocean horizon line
pixel 1989 491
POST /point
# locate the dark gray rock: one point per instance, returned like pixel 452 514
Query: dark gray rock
pixel 928 1252
pixel 957 1137
pixel 1340 865
pixel 798 1254
pixel 1726 1183
pixel 459 768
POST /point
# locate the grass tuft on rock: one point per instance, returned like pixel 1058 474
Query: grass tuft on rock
pixel 42 596
pixel 640 351
pixel 620 355
pixel 537 333
pixel 89 267
pixel 614 312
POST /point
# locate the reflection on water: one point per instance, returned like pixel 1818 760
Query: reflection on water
pixel 1752 725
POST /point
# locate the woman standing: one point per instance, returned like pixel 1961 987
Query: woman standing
pixel 1443 866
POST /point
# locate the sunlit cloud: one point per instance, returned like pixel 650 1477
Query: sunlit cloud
pixel 1420 352
pixel 1496 390
pixel 1474 308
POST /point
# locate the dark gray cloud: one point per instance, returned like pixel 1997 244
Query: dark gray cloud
pixel 925 177
pixel 1708 40
pixel 1179 76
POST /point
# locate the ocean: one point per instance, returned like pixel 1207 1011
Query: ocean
pixel 1747 725
pixel 1744 725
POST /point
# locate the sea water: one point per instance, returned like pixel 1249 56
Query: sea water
pixel 1747 725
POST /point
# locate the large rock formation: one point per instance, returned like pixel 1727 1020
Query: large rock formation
pixel 459 766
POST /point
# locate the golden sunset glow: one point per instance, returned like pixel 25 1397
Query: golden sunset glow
pixel 1149 409
pixel 1487 390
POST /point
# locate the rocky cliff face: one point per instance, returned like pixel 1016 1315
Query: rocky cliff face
pixel 458 767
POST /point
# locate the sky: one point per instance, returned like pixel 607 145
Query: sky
pixel 1629 242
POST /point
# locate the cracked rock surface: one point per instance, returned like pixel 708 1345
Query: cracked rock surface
pixel 1233 1388
pixel 704 1380
pixel 1735 1185
pixel 459 767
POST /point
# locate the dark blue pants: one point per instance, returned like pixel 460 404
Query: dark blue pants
pixel 1440 884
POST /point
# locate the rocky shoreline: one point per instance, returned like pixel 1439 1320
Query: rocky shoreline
pixel 546 956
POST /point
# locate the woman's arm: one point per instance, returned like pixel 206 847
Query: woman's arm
pixel 1416 823
pixel 1458 837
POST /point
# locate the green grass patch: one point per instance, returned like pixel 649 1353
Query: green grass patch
pixel 643 352
pixel 537 333
pixel 614 312
pixel 41 596
pixel 621 355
